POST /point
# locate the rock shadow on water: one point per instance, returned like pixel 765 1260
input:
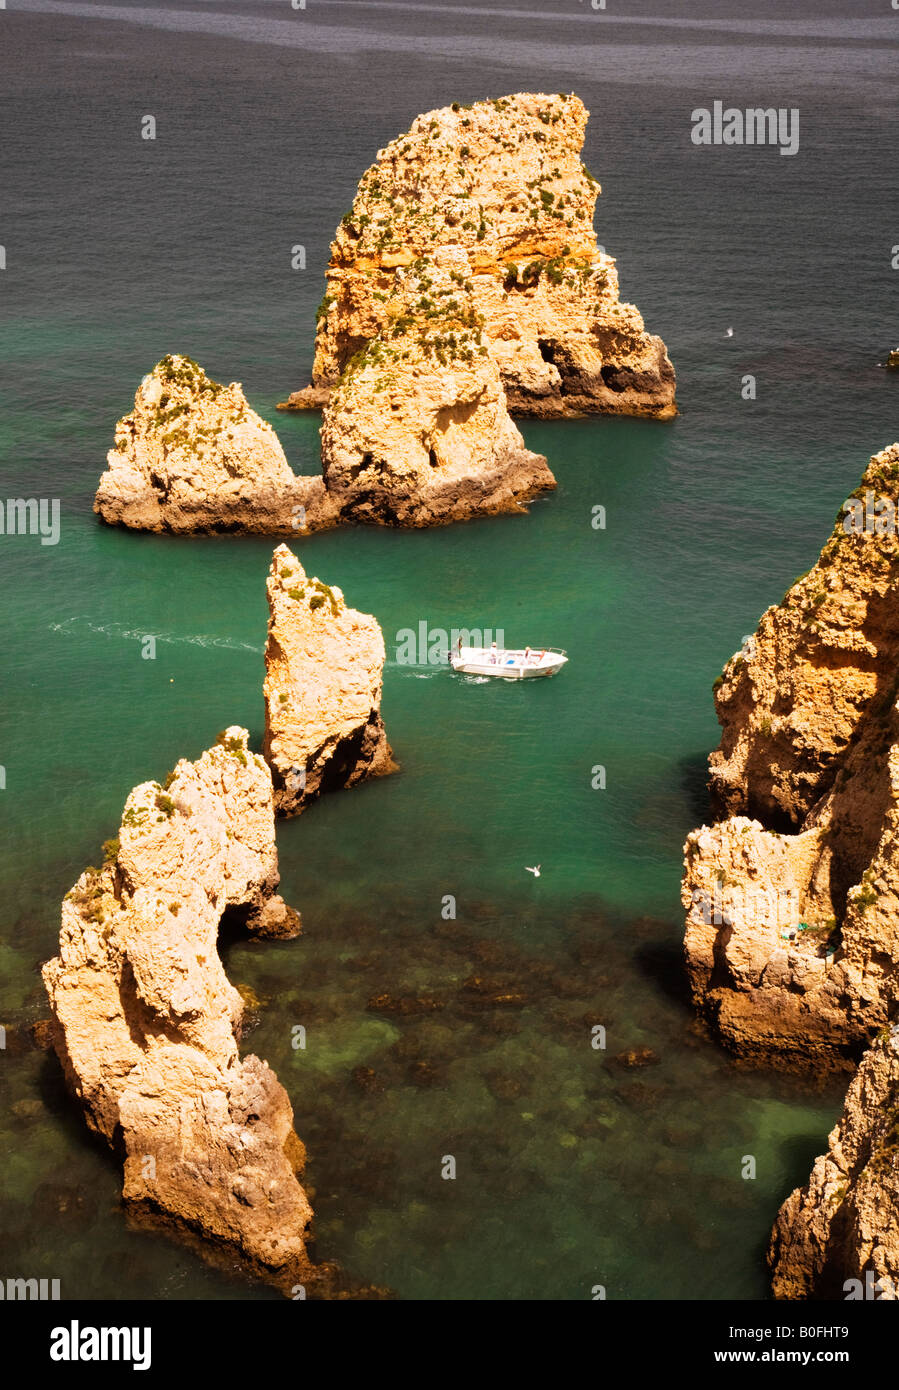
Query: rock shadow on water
pixel 693 775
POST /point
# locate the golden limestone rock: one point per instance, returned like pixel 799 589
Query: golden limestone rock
pixel 501 183
pixel 792 936
pixel 819 661
pixel 146 1022
pixel 323 671
pixel 416 431
pixel 838 1237
pixel 193 456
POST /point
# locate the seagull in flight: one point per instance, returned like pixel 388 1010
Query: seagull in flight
pixel 535 870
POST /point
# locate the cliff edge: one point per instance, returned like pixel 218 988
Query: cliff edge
pixel 792 941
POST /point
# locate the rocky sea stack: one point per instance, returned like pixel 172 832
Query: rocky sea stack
pixel 193 456
pixel 501 183
pixel 793 897
pixel 323 671
pixel 146 1023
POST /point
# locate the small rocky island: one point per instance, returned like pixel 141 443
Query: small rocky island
pixel 792 895
pixel 192 456
pixel 144 1020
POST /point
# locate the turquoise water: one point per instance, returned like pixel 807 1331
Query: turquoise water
pixel 571 1171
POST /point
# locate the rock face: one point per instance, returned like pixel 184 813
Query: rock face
pixel 810 746
pixel 193 456
pixel 844 1224
pixel 146 1021
pixel 820 660
pixel 416 432
pixel 323 666
pixel 501 184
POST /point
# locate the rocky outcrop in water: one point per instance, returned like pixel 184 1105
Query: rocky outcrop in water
pixel 193 456
pixel 417 435
pixel 146 1022
pixel 323 671
pixel 843 1225
pixel 501 184
pixel 416 432
pixel 792 941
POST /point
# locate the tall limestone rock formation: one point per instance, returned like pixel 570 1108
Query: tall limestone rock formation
pixel 147 1023
pixel 323 670
pixel 193 456
pixel 502 184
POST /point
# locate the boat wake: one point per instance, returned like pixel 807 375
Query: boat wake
pixel 198 639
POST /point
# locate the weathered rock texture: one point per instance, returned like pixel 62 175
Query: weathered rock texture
pixel 147 1024
pixel 193 456
pixel 323 668
pixel 810 746
pixel 844 1224
pixel 502 184
pixel 416 432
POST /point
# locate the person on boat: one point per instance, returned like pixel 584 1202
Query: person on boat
pixel 527 656
pixel 492 657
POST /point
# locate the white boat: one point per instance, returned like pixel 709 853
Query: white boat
pixel 507 663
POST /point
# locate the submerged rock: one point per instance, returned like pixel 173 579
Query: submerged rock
pixel 792 940
pixel 146 1021
pixel 502 184
pixel 323 671
pixel 844 1224
pixel 193 456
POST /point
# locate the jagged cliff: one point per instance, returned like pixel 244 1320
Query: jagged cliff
pixel 323 665
pixel 146 1022
pixel 193 456
pixel 501 182
pixel 819 660
pixel 844 1224
pixel 792 940
pixel 792 897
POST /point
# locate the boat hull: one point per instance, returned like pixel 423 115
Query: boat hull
pixel 509 666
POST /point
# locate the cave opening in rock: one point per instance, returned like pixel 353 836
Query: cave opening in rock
pixel 432 458
pixel 550 352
